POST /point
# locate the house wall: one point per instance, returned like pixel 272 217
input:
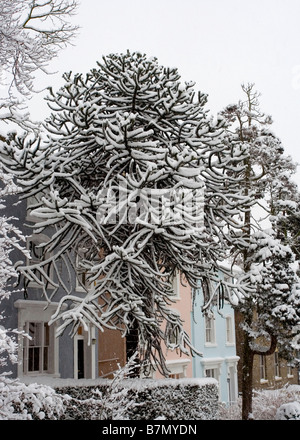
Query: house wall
pixel 180 365
pixel 111 352
pixel 270 379
pixel 65 344
pixel 219 358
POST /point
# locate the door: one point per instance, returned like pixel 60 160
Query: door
pixel 80 358
pixel 84 355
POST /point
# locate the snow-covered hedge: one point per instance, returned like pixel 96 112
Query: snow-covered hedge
pixel 29 402
pixel 143 399
pixel 289 411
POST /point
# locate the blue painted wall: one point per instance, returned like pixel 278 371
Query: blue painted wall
pixel 219 356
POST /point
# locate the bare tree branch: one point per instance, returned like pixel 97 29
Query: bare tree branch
pixel 31 34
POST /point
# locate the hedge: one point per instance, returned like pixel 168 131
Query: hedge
pixel 142 399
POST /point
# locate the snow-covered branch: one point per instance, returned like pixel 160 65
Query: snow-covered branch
pixel 137 178
pixel 31 35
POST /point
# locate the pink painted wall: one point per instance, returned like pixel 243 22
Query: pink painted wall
pixel 184 306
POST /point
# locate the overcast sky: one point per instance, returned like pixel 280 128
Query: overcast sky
pixel 219 44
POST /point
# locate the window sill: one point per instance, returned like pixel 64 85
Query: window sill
pixel 175 297
pixel 262 381
pixel 38 374
pixel 42 378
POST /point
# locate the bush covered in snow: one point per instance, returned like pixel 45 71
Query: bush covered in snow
pixel 169 398
pixel 29 402
pixel 143 399
pixel 105 399
pixel 289 411
pixel 266 404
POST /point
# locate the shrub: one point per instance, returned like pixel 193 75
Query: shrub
pixel 29 402
pixel 143 399
pixel 266 404
pixel 289 411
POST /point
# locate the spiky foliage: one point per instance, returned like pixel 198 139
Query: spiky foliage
pixel 121 179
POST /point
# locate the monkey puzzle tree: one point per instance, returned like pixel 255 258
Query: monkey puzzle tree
pixel 121 177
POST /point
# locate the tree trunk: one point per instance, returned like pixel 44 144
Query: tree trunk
pixel 247 378
pixel 247 371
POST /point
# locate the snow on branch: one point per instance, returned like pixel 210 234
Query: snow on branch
pixel 134 176
pixel 31 35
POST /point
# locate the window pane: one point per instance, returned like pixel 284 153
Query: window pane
pixel 209 332
pixel 210 372
pixel 37 350
pixel 45 360
pixel 33 359
pixel 46 335
pixel 229 330
pixel 175 376
pixel 262 367
pixel 277 364
pixel 34 332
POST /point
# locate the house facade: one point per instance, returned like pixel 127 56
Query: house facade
pixel 81 357
pixel 84 357
pixel 269 372
pixel 214 336
pixel 179 364
pixel 43 354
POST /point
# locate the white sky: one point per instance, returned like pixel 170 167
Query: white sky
pixel 219 44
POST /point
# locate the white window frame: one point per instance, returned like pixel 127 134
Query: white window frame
pixel 174 338
pixel 210 331
pixel 214 364
pixel 263 368
pixel 38 312
pixel 229 330
pixel 277 366
pixel 39 346
pixel 213 372
pixel 178 368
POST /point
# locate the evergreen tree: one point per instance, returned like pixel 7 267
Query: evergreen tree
pixel 121 177
pixel 269 313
